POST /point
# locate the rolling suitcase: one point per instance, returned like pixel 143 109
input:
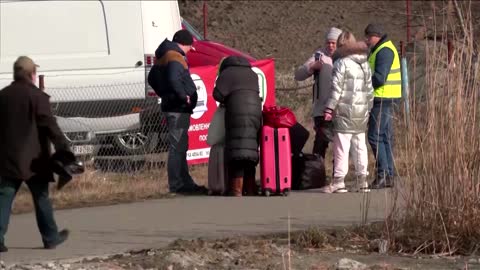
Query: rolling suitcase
pixel 217 171
pixel 276 161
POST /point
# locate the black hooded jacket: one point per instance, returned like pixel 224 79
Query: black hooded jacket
pixel 171 80
pixel 237 87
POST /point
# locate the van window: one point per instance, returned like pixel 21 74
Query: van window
pixel 72 29
pixel 192 30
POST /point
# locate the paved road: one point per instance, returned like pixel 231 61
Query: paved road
pixel 155 223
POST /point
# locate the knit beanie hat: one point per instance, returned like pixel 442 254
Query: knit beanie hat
pixel 333 33
pixel 374 30
pixel 183 37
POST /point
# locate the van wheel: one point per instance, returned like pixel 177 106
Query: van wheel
pixel 136 143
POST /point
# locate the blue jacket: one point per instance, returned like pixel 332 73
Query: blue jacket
pixel 171 80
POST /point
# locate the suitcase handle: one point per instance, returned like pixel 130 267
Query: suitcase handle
pixel 266 138
pixel 283 138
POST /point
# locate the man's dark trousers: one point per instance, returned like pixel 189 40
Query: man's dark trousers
pixel 380 136
pixel 178 176
pixel 43 207
pixel 320 144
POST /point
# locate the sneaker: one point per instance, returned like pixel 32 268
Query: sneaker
pixel 362 188
pixel 382 182
pixel 362 185
pixel 3 248
pixel 334 188
pixel 62 237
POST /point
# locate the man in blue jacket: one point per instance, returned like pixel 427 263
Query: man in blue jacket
pixel 387 83
pixel 171 80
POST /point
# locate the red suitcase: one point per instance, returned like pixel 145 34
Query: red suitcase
pixel 275 161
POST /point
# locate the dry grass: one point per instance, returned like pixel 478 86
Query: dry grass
pixel 442 146
pixel 357 238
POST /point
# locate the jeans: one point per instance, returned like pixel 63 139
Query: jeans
pixel 43 207
pixel 380 136
pixel 178 176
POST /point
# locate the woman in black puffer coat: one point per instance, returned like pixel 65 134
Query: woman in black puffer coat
pixel 237 88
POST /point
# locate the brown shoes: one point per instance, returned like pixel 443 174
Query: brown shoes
pixel 240 186
pixel 250 187
pixel 236 186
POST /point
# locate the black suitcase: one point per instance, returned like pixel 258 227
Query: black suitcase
pixel 298 138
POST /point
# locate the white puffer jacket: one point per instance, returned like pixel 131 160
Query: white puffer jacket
pixel 352 92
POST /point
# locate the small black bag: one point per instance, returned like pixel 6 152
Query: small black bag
pixel 156 79
pixel 308 172
pixel 65 165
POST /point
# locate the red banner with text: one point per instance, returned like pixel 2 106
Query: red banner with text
pixel 204 78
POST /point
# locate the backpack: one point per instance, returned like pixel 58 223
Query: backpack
pixel 156 79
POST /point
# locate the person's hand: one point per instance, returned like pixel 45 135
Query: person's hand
pixel 328 115
pixel 188 100
pixel 326 60
pixel 317 65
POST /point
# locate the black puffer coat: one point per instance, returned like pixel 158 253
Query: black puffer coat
pixel 237 87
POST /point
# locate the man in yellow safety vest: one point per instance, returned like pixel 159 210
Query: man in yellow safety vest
pixel 386 80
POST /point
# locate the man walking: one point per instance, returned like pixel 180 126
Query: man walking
pixel 386 81
pixel 320 65
pixel 171 80
pixel 27 127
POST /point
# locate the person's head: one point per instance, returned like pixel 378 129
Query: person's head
pixel 345 38
pixel 25 69
pixel 331 40
pixel 234 60
pixel 184 40
pixel 373 34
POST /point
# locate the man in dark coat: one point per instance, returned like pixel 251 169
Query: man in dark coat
pixel 27 127
pixel 237 87
pixel 171 80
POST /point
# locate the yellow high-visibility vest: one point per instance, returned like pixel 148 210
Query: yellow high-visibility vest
pixel 393 84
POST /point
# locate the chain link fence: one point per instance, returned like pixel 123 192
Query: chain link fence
pixel 112 128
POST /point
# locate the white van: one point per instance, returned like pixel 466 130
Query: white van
pixel 94 56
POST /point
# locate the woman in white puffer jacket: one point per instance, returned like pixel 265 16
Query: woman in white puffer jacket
pixel 349 106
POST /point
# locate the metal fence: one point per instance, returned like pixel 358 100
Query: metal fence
pixel 112 127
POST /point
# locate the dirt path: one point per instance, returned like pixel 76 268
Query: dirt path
pixel 256 253
pixel 156 223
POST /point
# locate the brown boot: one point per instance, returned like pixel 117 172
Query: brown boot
pixel 250 187
pixel 236 186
